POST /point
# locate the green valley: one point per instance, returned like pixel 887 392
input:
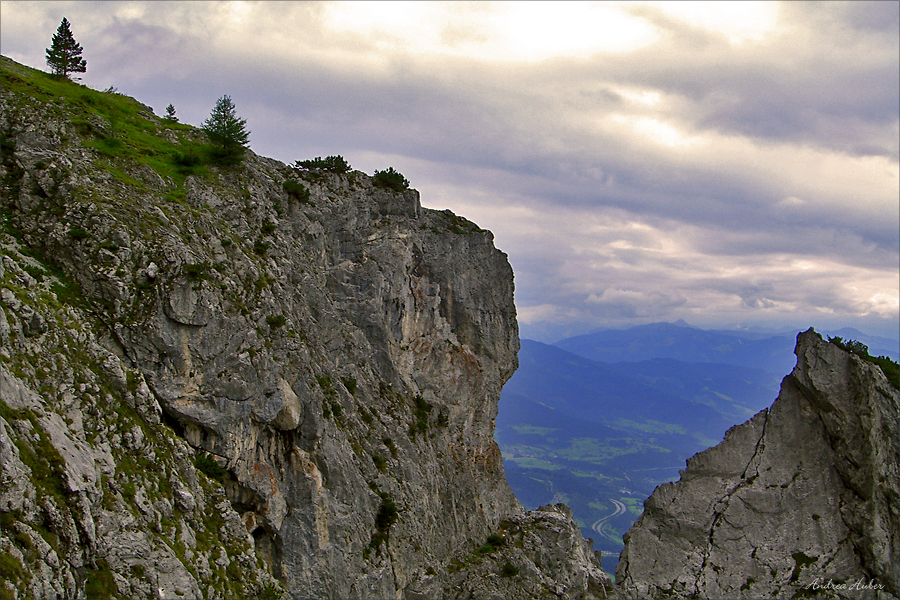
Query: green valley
pixel 600 436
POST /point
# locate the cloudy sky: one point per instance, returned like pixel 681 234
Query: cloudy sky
pixel 724 164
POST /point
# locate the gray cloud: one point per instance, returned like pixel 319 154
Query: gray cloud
pixel 694 177
pixel 829 79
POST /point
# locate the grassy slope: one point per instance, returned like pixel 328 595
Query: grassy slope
pixel 118 126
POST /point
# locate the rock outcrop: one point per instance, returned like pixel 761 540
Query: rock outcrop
pixel 244 381
pixel 803 500
pixel 540 554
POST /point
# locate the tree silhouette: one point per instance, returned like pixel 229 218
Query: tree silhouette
pixel 64 53
pixel 227 133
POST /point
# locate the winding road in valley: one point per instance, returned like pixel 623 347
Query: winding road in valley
pixel 598 524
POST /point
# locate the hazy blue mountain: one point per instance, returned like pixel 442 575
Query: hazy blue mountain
pixel 773 353
pixel 604 394
pixel 736 392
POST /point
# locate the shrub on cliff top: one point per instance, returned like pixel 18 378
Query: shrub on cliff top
pixel 890 368
pixel 186 162
pixel 276 321
pixel 332 164
pixel 384 519
pixel 391 179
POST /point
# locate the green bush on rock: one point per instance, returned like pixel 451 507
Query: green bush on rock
pixel 391 179
pixel 332 164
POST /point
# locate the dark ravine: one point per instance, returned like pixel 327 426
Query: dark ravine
pixel 802 500
pixel 212 388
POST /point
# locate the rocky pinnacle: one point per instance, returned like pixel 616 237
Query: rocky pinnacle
pixel 801 499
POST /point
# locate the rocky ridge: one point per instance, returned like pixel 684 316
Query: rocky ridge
pixel 215 386
pixel 802 500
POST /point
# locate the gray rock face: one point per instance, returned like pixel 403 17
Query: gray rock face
pixel 538 554
pixel 800 500
pixel 97 497
pixel 335 362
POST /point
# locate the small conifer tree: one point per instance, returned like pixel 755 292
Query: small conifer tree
pixel 391 178
pixel 170 113
pixel 227 132
pixel 64 53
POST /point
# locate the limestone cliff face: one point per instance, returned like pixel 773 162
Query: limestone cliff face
pixel 334 361
pixel 803 500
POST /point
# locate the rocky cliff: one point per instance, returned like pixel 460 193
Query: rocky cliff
pixel 802 500
pixel 247 381
pixel 265 381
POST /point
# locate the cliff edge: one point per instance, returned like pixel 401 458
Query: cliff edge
pixel 248 381
pixel 802 500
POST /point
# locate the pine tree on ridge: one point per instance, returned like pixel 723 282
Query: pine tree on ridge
pixel 226 132
pixel 64 53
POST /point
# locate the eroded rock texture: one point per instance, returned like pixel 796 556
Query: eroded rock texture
pixel 539 554
pixel 805 493
pixel 236 390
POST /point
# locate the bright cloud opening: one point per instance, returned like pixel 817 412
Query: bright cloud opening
pixel 641 97
pixel 238 11
pixel 495 32
pixel 884 304
pixel 657 131
pixel 740 22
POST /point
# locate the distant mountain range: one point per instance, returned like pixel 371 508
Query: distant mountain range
pixel 774 353
pixel 599 420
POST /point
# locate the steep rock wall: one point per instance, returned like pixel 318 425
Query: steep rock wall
pixel 801 500
pixel 338 356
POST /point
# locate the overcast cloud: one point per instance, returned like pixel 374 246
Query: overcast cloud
pixel 719 163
